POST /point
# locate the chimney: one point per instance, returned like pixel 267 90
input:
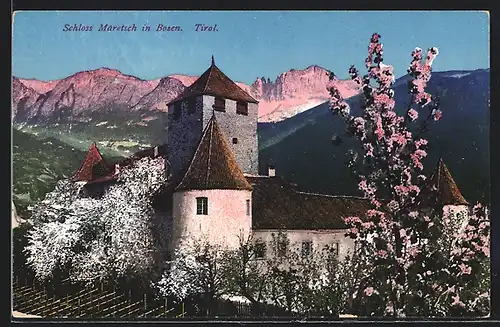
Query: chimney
pixel 155 152
pixel 271 171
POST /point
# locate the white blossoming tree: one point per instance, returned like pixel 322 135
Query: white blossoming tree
pixel 198 272
pixel 99 239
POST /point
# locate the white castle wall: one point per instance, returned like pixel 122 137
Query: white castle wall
pixel 227 217
pixel 319 238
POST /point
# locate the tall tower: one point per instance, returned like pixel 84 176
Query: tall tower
pixel 213 199
pixel 213 93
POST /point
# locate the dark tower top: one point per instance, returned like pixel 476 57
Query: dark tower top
pixel 214 82
pixel 447 190
pixel 213 165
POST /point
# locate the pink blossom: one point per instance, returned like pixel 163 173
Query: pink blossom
pixel 420 142
pixel 401 190
pixel 393 205
pixel 486 250
pixel 369 149
pixel 369 291
pixel 437 114
pixel 399 138
pixel 389 309
pixel 352 220
pixel 423 98
pixel 382 254
pixel 367 225
pixel 402 232
pixel 456 301
pixel 413 251
pixel 431 55
pixel 413 114
pixel 484 224
pixel 413 214
pixel 414 188
pixel 372 213
pixel 376 203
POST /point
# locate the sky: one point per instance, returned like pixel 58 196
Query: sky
pixel 246 45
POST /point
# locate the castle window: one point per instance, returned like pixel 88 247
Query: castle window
pixel 202 206
pixel 192 106
pixel 306 249
pixel 242 108
pixel 334 249
pixel 220 104
pixel 249 208
pixel 282 247
pixel 260 249
pixel 235 140
pixel 177 110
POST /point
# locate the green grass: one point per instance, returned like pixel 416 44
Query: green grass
pixel 38 163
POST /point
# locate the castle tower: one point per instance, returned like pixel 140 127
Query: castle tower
pixel 213 199
pixel 189 114
pixel 448 196
pixel 93 166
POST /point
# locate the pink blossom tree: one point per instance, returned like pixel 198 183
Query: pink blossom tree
pixel 412 272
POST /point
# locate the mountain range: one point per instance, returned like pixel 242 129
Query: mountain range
pixel 102 91
pixel 124 113
pixel 301 147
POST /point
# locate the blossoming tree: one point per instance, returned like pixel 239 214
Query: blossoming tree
pixel 402 235
pixel 197 272
pixel 98 239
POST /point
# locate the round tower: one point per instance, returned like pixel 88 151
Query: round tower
pixel 213 201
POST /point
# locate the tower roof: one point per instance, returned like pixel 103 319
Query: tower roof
pixel 93 166
pixel 446 188
pixel 213 165
pixel 214 82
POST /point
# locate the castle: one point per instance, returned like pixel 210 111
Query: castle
pixel 214 189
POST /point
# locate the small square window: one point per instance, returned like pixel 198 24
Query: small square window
pixel 242 108
pixel 260 249
pixel 282 247
pixel 220 104
pixel 306 249
pixel 334 249
pixel 202 206
pixel 235 140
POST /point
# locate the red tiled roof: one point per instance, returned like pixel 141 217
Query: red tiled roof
pixel 93 166
pixel 109 172
pixel 214 82
pixel 446 189
pixel 213 165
